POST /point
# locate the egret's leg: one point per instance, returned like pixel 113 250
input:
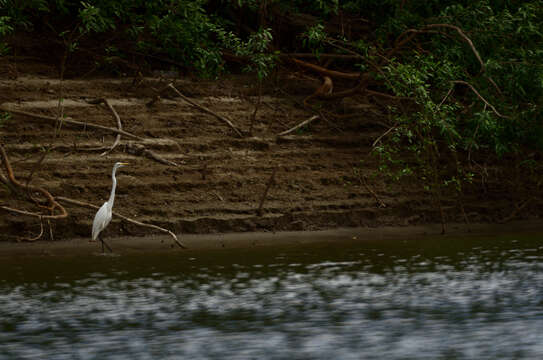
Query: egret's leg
pixel 104 243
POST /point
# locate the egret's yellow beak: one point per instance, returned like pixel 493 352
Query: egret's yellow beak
pixel 123 163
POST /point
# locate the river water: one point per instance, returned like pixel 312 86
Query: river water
pixel 471 298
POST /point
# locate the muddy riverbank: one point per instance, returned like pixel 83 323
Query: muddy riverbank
pixel 190 173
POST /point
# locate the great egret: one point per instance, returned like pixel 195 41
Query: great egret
pixel 103 216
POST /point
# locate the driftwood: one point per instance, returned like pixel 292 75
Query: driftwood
pixel 70 121
pixel 116 117
pixel 303 123
pixel 196 105
pixel 132 221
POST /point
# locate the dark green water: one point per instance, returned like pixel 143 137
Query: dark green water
pixel 419 299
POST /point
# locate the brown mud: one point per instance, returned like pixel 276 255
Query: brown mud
pixel 220 178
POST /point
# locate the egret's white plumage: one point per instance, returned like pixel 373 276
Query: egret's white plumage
pixel 103 216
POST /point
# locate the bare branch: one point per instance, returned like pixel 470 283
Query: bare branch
pixel 481 97
pixel 132 221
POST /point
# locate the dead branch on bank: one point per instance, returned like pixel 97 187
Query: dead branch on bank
pixel 302 124
pixel 115 116
pixel 140 150
pixel 70 121
pixel 196 105
pixel 132 221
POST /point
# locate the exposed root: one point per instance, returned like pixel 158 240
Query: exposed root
pixel 52 203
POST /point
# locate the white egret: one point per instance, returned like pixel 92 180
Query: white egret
pixel 103 216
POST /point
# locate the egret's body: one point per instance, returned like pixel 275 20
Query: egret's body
pixel 103 216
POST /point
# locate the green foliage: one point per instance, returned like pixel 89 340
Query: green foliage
pixel 507 34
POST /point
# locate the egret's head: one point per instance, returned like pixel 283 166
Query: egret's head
pixel 119 164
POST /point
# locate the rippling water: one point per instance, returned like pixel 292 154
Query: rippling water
pixel 418 299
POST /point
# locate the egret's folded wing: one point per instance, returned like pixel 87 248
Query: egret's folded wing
pixel 101 219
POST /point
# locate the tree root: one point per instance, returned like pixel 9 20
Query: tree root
pixel 52 203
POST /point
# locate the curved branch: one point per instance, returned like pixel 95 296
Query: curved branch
pixel 403 39
pixel 115 116
pixel 53 204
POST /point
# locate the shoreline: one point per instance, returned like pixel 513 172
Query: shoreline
pixel 247 240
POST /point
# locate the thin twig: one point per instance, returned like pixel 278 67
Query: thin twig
pixel 382 136
pixel 271 181
pixel 132 221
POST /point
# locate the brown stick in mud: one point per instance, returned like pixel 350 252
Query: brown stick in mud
pixel 132 221
pixel 265 194
pixel 115 116
pixel 70 121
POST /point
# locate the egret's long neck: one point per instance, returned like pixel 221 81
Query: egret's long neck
pixel 112 196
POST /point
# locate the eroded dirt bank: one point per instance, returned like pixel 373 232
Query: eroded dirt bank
pixel 220 178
